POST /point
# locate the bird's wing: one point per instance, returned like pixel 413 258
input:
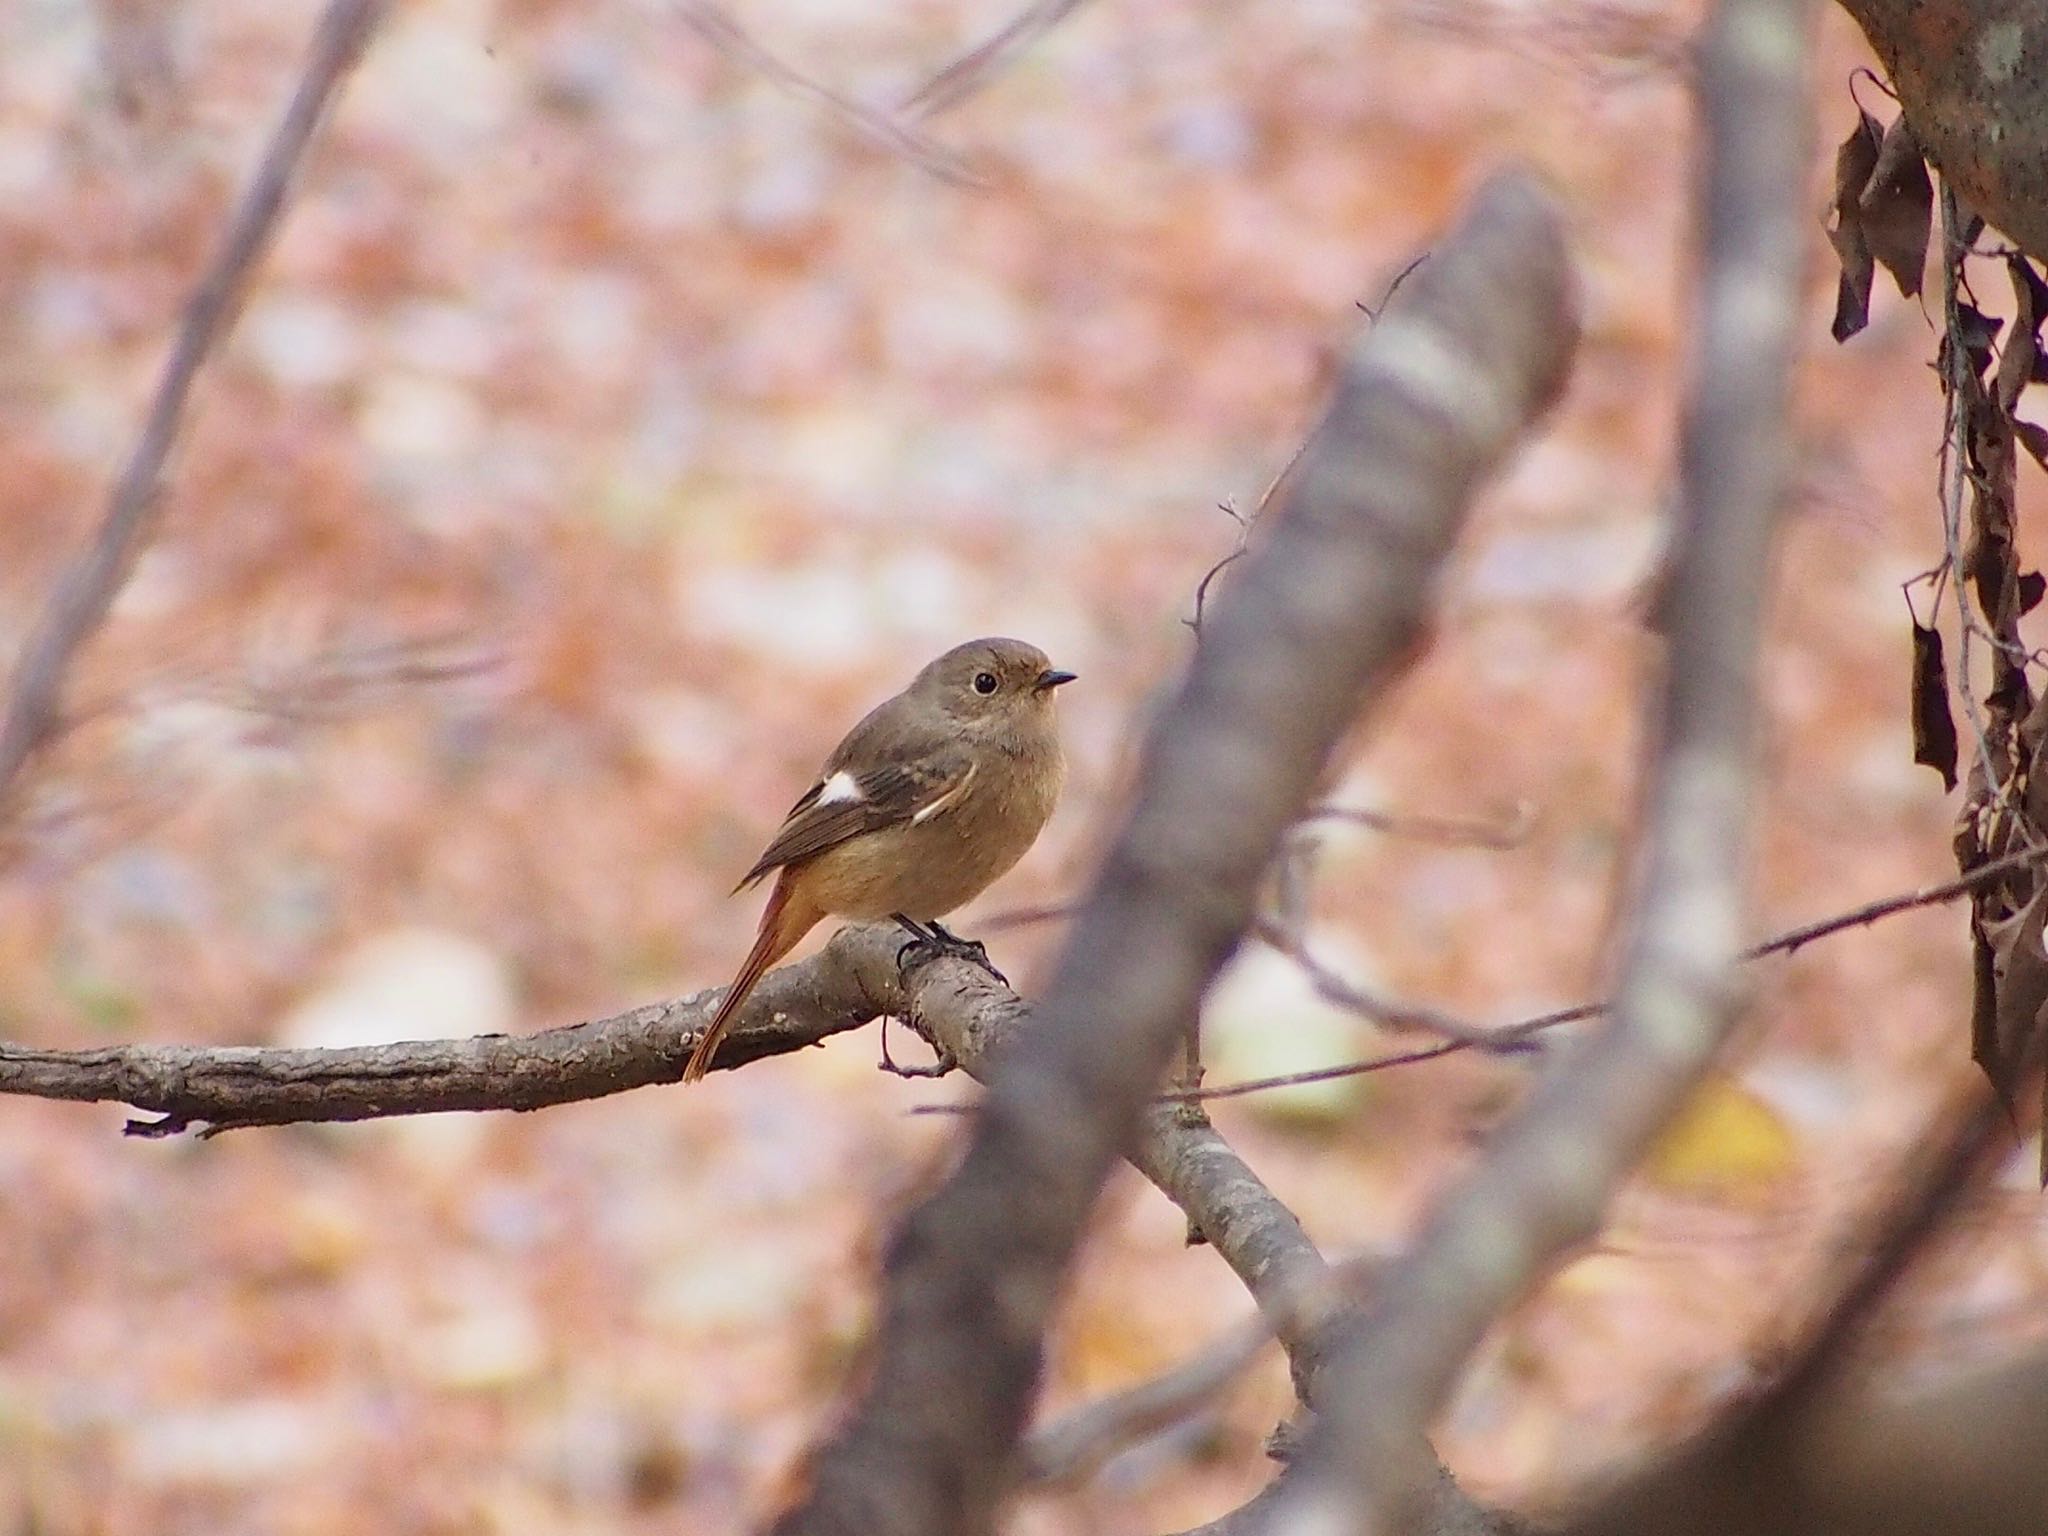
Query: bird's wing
pixel 845 803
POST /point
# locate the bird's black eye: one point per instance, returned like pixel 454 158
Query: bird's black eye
pixel 984 682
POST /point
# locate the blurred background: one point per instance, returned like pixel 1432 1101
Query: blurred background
pixel 608 429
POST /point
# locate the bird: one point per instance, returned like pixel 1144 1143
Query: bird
pixel 930 799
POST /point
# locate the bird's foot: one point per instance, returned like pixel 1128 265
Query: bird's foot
pixel 935 942
pixel 942 1059
pixel 939 1066
pixel 968 949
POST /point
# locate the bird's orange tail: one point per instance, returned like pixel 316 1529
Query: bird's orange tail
pixel 783 922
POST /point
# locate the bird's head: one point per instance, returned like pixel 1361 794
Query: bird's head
pixel 992 682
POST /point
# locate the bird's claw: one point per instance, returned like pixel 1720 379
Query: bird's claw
pixel 942 944
pixel 939 1066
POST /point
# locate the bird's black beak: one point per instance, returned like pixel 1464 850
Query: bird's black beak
pixel 1051 679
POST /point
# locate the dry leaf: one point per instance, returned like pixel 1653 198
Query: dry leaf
pixel 2019 972
pixel 1978 331
pixel 1724 1137
pixel 2019 361
pixel 1934 727
pixel 1855 159
pixel 1897 207
pixel 2033 438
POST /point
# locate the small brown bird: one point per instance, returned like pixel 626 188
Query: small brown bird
pixel 924 804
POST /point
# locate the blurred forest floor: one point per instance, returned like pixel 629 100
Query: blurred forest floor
pixel 607 430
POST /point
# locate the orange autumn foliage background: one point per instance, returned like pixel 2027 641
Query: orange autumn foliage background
pixel 607 429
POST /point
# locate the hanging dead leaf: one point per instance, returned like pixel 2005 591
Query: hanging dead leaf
pixel 2033 585
pixel 2020 991
pixel 1983 997
pixel 1855 159
pixel 2033 739
pixel 2037 287
pixel 2008 693
pixel 2033 438
pixel 1978 331
pixel 1934 726
pixel 2021 357
pixel 1897 207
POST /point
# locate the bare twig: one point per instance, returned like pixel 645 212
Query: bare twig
pixel 1026 917
pixel 1988 873
pixel 1074 1447
pixel 1322 618
pixel 1542 1186
pixel 1499 835
pixel 1237 552
pixel 978 65
pixel 1602 42
pixel 1502 1036
pixel 1875 1251
pixel 718 28
pixel 83 596
pixel 960 1009
pixel 1077 1444
pixel 1385 1011
pixel 1247 521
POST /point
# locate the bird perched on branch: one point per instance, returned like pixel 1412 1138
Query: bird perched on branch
pixel 936 793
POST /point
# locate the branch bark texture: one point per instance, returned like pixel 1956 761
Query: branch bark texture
pixel 1972 76
pixel 1543 1185
pixel 218 1088
pixel 1317 622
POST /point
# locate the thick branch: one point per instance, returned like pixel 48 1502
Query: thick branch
pixel 1317 622
pixel 1542 1186
pixel 1972 76
pixel 971 1017
pixel 224 1087
pixel 852 981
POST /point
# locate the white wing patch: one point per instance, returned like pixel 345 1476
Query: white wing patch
pixel 947 798
pixel 838 789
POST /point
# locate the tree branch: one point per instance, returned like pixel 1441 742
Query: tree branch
pixel 1543 1185
pixel 1320 620
pixel 224 1088
pixel 849 983
pixel 82 598
pixel 718 28
pixel 968 73
pixel 1968 74
pixel 1464 1035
